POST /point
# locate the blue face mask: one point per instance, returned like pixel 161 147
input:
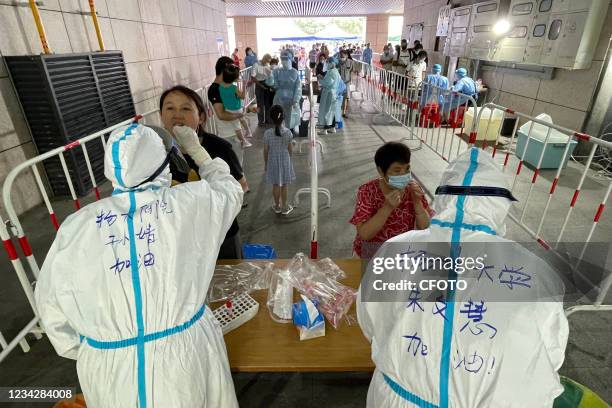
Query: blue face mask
pixel 400 182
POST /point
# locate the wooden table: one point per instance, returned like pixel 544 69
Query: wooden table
pixel 262 345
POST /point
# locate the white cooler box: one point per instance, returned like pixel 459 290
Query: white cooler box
pixel 484 133
pixel 555 146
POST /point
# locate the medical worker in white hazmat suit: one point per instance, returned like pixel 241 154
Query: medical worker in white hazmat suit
pixel 123 286
pixel 497 344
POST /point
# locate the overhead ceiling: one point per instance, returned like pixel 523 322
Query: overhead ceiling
pixel 312 8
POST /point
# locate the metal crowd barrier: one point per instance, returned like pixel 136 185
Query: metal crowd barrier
pixel 17 230
pixel 314 190
pixel 561 194
pixel 247 85
pixel 433 116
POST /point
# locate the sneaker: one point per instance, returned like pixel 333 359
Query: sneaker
pixel 277 209
pixel 287 210
pixel 332 130
pixel 246 144
pixel 323 131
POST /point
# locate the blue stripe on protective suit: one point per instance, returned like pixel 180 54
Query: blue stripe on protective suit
pixel 142 391
pixel 407 395
pixel 138 190
pixel 115 147
pixel 107 345
pixel 447 336
pixel 469 227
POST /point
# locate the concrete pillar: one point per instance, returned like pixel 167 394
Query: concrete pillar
pixel 246 33
pixel 377 30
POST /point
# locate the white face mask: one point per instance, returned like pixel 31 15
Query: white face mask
pixel 343 59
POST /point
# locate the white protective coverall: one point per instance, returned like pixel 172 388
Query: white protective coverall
pixel 123 286
pixel 508 358
pixel 329 94
pixel 288 92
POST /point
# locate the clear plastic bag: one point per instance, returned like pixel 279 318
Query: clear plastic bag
pixel 230 281
pixel 305 266
pixel 329 268
pixel 280 297
pixel 316 281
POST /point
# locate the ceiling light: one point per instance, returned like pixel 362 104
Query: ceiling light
pixel 501 27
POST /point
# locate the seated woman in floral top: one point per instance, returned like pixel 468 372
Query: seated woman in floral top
pixel 390 205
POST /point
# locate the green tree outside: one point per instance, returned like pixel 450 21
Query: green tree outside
pixel 351 26
pixel 309 26
pixel 312 26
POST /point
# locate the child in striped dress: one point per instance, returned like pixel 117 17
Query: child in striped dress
pixel 277 158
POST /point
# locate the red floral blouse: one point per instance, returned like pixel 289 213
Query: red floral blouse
pixel 370 198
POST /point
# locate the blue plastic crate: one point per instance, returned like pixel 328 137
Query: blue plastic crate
pixel 258 251
pixel 553 155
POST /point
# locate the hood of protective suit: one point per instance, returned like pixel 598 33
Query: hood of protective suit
pixel 474 168
pixel 332 62
pixel 133 154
